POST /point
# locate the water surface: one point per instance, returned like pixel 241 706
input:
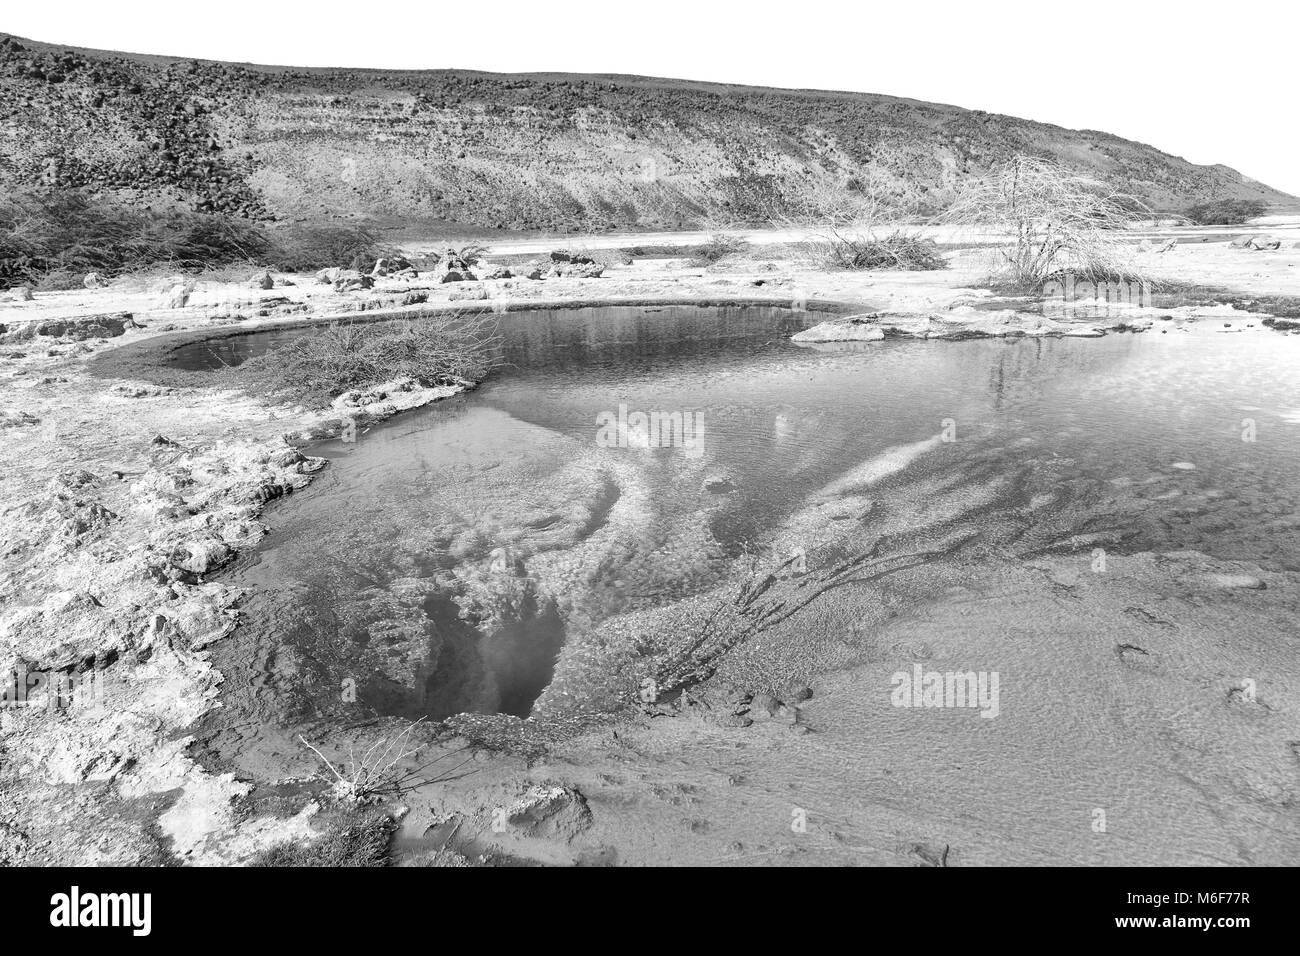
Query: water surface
pixel 440 561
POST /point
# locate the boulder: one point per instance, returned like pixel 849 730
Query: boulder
pixel 21 293
pixel 93 280
pixel 264 281
pixel 351 281
pixel 394 265
pixel 178 296
pixel 200 557
pixel 457 275
pixel 550 812
pixel 1264 242
pixel 328 276
pixel 107 326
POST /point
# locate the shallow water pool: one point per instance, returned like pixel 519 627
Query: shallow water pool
pixel 440 561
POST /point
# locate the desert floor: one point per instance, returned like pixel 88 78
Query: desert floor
pixel 123 498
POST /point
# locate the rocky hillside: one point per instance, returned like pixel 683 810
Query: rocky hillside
pixel 526 151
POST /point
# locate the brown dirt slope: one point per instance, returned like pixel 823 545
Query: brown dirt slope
pixel 513 151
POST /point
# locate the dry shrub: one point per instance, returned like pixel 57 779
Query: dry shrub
pixel 832 248
pixel 1226 212
pixel 1055 219
pixel 307 248
pixel 321 364
pixel 717 247
pixel 346 843
pixel 53 239
pixel 845 227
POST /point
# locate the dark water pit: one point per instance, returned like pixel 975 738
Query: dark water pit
pixel 447 557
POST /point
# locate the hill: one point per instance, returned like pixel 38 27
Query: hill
pixel 515 151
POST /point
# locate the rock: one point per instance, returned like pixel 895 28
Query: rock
pixel 414 298
pixel 1246 581
pixel 719 483
pixel 93 280
pixel 352 281
pixel 328 276
pixel 472 293
pixel 576 258
pixel 553 813
pixel 800 693
pixel 178 296
pixel 394 265
pixel 498 272
pixel 764 706
pixel 453 260
pixel 14 845
pixel 1264 242
pixel 842 330
pixel 106 326
pixel 200 557
pixel 457 275
pixel 13 418
pixel 264 281
pixel 532 271
pixel 576 270
pixel 21 293
pixel 732 720
pixel 139 390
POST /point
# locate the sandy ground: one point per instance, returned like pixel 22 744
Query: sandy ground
pixel 122 499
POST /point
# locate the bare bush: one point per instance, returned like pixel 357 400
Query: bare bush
pixel 1054 220
pixel 382 770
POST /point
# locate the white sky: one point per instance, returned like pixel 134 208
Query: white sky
pixel 1214 83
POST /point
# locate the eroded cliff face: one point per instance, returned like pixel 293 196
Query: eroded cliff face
pixel 501 151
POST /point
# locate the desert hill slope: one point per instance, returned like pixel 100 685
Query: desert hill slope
pixel 514 151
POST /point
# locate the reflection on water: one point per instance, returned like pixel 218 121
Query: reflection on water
pixel 442 558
